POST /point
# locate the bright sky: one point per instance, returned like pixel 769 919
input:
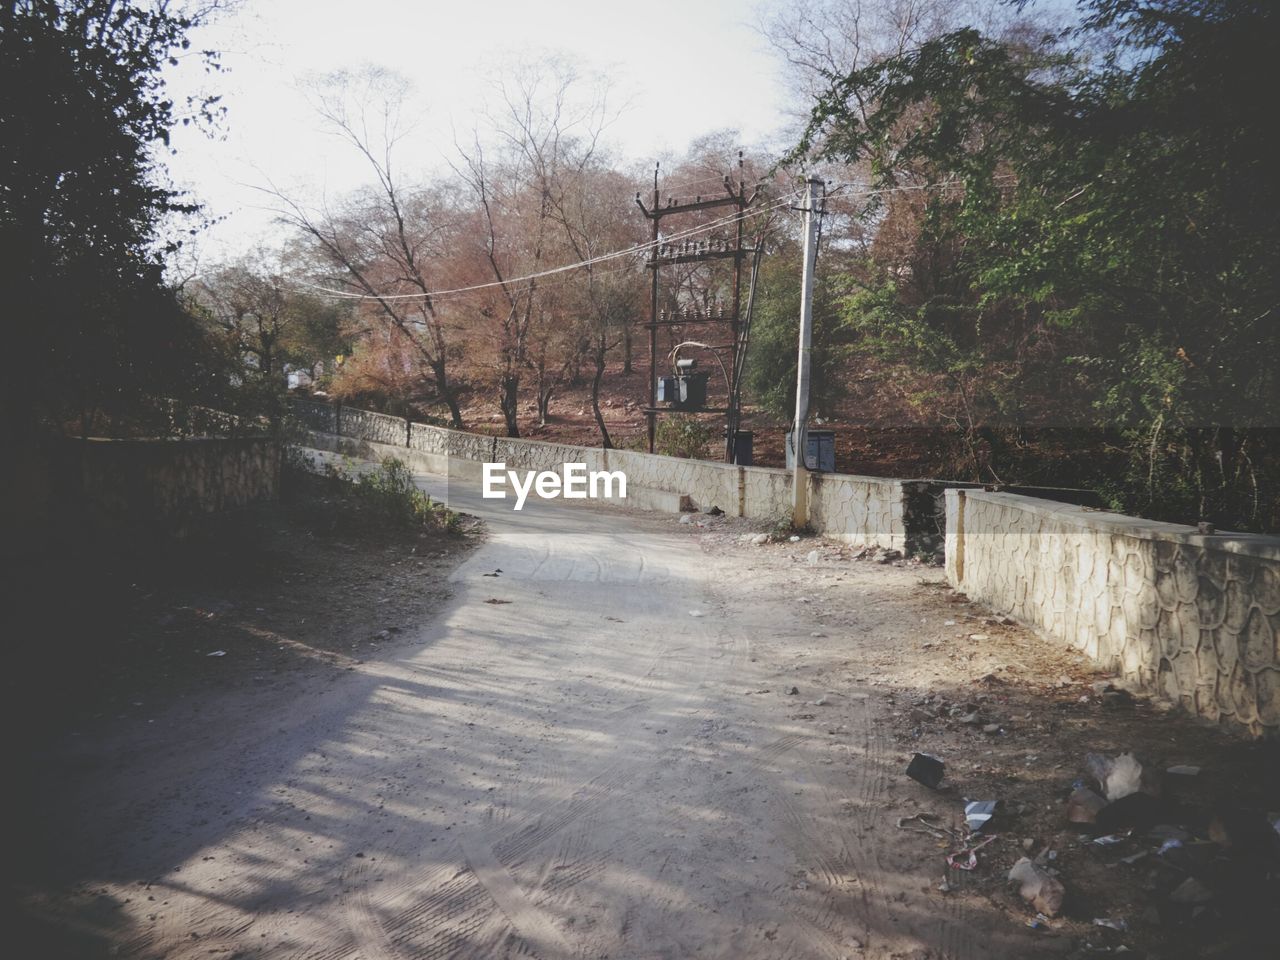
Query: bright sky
pixel 684 67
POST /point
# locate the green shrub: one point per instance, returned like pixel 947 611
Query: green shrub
pixel 390 493
pixel 684 435
pixel 387 494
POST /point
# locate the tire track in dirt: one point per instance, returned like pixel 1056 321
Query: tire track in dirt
pixel 530 923
pixel 954 937
pixel 824 918
pixel 456 912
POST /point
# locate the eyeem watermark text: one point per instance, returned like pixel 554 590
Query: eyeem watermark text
pixel 573 482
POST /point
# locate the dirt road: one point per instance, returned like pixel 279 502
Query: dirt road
pixel 593 750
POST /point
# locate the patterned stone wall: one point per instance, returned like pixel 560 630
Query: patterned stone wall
pixel 374 427
pixel 862 510
pixel 1195 618
pixel 165 483
pixel 766 493
pixel 706 484
pixel 857 510
pixel 428 439
pixel 316 416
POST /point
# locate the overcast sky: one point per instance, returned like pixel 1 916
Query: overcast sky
pixel 683 67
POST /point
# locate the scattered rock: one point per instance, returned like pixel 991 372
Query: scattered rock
pixel 1136 810
pixel 1083 806
pixel 793 692
pixel 1111 923
pixel 1191 890
pixel 685 518
pixel 1246 831
pixel 889 556
pixel 760 539
pixel 979 636
pixel 1038 887
pixel 991 728
pixel 1119 776
pixel 714 511
pixel 812 557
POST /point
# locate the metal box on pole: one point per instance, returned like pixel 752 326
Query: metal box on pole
pixel 820 451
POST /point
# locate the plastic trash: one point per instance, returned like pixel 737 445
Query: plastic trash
pixel 1038 887
pixel 1111 923
pixel 927 769
pixel 978 814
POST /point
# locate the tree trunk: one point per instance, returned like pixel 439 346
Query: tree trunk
pixel 446 393
pixel 545 393
pixel 605 440
pixel 508 398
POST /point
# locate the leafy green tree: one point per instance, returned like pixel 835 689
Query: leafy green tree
pixel 1113 191
pixel 84 118
pixel 262 322
pixel 774 348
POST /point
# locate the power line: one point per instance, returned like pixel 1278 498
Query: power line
pixel 629 251
pixel 637 248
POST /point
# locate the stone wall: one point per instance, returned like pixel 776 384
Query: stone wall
pixel 1193 617
pixel 374 427
pixel 166 483
pixel 858 510
pixel 873 510
pixel 316 416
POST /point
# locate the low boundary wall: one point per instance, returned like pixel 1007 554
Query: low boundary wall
pixel 862 511
pixel 168 482
pixel 105 485
pixel 1193 617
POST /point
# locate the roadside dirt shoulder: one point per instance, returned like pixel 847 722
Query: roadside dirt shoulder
pixel 1013 716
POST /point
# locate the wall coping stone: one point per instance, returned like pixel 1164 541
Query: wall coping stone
pixel 1262 546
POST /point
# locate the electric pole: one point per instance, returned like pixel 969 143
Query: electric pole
pixel 799 440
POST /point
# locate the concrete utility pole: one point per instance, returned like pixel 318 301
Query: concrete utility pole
pixel 799 440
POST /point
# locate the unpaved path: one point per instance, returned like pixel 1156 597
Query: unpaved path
pixel 592 751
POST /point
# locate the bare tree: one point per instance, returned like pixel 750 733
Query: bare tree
pixel 384 245
pixel 822 39
pixel 546 131
pixel 608 295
